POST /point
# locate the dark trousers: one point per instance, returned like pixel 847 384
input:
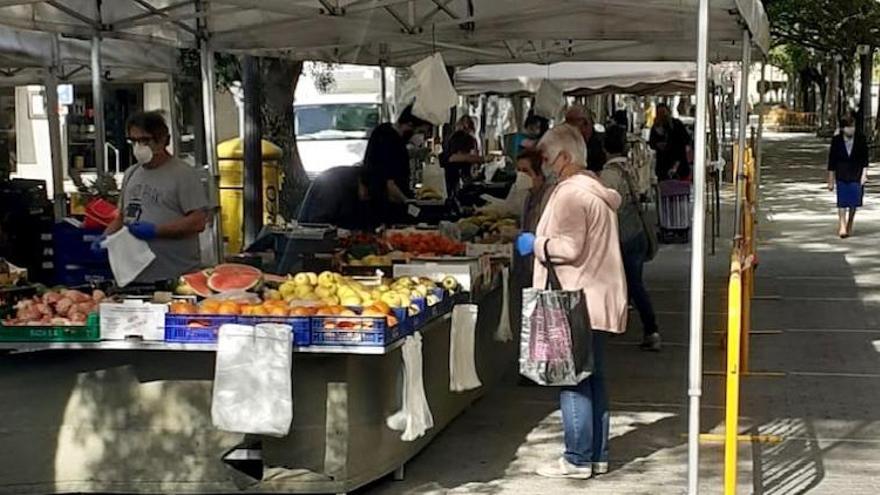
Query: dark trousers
pixel 633 252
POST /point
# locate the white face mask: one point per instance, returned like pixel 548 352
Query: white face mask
pixel 524 181
pixel 142 153
pixel 418 140
pixel 849 131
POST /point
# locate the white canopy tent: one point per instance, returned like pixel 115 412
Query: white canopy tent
pixel 467 32
pixel 26 55
pixel 581 77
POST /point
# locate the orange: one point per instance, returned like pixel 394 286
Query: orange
pixel 183 308
pixel 247 310
pixel 228 308
pixel 260 311
pixel 210 306
pixel 301 311
pixel 382 306
pixel 392 320
pixel 276 311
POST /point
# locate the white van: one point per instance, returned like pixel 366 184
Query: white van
pixel 333 129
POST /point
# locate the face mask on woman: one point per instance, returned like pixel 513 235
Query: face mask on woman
pixel 417 140
pixel 524 181
pixel 849 131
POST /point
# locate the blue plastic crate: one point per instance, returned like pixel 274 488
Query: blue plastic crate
pixel 356 331
pixel 195 328
pixel 72 245
pixel 73 275
pixel 302 326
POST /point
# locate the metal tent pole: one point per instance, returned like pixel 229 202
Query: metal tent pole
pixel 741 132
pixel 98 104
pixel 51 88
pixel 207 72
pixel 695 378
pixel 253 149
pixel 384 113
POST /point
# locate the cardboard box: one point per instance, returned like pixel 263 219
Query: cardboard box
pixel 466 269
pixel 133 318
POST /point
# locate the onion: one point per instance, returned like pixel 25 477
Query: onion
pixel 44 309
pixel 63 306
pixel 51 297
pixel 98 295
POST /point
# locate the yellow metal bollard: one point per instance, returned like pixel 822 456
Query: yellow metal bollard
pixel 731 422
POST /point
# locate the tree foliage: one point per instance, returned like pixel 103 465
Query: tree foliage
pixel 833 27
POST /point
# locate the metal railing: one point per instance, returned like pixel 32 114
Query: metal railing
pixel 741 286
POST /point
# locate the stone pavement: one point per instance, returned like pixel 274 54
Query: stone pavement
pixel 816 321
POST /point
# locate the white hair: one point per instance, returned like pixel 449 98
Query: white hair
pixel 565 137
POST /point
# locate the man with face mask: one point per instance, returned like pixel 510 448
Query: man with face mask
pixel 848 171
pixel 385 173
pixel 162 201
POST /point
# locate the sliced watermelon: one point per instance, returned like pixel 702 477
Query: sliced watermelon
pixel 229 280
pixel 197 282
pixel 236 268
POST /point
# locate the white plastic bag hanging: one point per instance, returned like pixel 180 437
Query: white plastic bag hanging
pixel 503 333
pixel 252 380
pixel 434 178
pixel 549 100
pixel 434 94
pixel 414 417
pixel 129 256
pixel 462 367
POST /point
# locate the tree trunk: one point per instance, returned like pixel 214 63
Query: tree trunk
pixel 280 78
pixel 867 73
pixel 831 99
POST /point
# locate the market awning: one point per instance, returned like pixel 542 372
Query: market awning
pixel 399 32
pixel 580 78
pixel 24 56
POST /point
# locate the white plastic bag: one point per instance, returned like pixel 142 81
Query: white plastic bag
pixel 549 100
pixel 252 380
pixel 503 333
pixel 434 178
pixel 129 256
pixel 415 417
pixel 462 367
pixel 512 205
pixel 434 93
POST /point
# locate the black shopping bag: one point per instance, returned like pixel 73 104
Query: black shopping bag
pixel 556 345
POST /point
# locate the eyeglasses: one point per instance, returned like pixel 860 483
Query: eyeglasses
pixel 141 140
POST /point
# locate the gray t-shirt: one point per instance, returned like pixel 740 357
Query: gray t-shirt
pixel 158 196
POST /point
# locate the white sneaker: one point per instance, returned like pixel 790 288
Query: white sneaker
pixel 600 468
pixel 564 469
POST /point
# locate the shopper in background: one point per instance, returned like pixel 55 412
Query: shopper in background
pixel 460 154
pixel 619 174
pixel 386 170
pixel 848 170
pixel 578 229
pixel 670 139
pixel 162 201
pixel 534 129
pixel 581 118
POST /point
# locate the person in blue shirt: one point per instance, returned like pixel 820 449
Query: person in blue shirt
pixel 848 171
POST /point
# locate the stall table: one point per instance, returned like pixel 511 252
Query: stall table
pixel 134 417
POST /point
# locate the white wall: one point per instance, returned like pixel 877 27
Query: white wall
pixel 34 159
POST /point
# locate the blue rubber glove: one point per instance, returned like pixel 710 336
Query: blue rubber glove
pixel 144 231
pixel 96 247
pixel 525 243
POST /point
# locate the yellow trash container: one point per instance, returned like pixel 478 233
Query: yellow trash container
pixel 230 155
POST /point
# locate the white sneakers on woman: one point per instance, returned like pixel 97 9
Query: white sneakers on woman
pixel 564 469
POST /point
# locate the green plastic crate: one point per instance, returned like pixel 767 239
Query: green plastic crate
pixel 90 332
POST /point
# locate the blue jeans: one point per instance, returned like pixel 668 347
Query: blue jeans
pixel 633 252
pixel 585 416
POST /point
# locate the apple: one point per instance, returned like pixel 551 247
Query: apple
pixel 449 283
pixel 313 278
pixel 303 290
pixel 352 300
pixel 301 279
pixel 326 279
pixel 392 299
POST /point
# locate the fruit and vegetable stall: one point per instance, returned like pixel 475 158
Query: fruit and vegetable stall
pixel 107 374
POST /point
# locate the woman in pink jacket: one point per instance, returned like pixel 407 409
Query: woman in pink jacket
pixel 579 231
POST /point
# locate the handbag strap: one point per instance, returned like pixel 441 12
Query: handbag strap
pixel 552 279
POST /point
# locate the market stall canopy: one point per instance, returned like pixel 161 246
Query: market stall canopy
pixel 400 32
pixel 580 78
pixel 25 55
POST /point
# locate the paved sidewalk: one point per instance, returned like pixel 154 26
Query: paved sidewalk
pixel 821 298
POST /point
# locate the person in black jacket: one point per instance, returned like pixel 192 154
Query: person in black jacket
pixel 582 119
pixel 848 171
pixel 670 139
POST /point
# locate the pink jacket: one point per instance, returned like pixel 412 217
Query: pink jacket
pixel 579 228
